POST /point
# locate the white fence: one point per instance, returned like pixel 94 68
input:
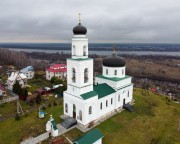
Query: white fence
pixel 9 99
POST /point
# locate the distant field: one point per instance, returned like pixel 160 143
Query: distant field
pixel 155 121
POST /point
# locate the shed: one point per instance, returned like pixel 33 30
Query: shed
pixel 92 137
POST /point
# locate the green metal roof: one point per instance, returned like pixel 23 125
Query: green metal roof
pixel 90 137
pixel 113 78
pixel 80 59
pixel 88 95
pixel 54 125
pixel 103 90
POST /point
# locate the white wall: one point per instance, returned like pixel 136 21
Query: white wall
pixel 78 42
pixel 111 71
pixel 29 74
pixel 114 84
pixel 79 87
pixel 82 105
pixel 49 75
pixel 105 109
pixel 98 141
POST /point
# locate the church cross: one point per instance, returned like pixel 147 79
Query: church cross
pixel 79 17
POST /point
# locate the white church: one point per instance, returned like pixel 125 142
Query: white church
pixel 87 100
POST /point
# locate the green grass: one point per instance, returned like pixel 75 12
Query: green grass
pixel 38 83
pixel 155 121
pixel 12 131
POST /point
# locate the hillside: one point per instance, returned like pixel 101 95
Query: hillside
pixel 155 121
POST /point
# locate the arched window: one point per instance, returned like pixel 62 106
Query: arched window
pixel 74 50
pixel 118 97
pixel 123 72
pixel 106 103
pixel 106 71
pixel 73 75
pixel 66 108
pixel 84 50
pixel 85 75
pixel 80 115
pixel 111 100
pixel 115 72
pixel 101 105
pixel 90 110
pixel 74 107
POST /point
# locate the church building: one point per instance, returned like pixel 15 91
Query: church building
pixel 86 100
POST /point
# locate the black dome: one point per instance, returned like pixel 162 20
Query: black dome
pixel 114 61
pixel 79 29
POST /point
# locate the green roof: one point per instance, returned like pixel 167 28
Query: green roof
pixel 54 125
pixel 113 78
pixel 103 90
pixel 88 95
pixel 90 137
pixel 80 59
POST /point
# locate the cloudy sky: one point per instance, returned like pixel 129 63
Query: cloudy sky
pixel 120 21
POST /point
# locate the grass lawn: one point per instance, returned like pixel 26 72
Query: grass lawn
pixel 155 121
pixel 37 83
pixel 11 131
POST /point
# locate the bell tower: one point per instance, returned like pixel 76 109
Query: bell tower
pixel 79 42
pixel 79 66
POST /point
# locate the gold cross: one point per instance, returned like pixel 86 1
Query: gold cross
pixel 114 49
pixel 79 18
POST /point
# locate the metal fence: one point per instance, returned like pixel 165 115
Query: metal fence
pixel 9 99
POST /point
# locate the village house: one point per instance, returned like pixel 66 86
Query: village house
pixel 16 76
pixel 28 71
pixel 56 70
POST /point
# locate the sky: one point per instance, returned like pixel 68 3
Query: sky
pixel 110 21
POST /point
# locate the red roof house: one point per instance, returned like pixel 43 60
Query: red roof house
pixel 56 70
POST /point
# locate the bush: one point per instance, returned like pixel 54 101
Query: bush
pixel 17 117
pixel 43 108
pixel 55 104
pixel 49 105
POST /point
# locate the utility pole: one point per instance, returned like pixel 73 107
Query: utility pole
pixel 19 108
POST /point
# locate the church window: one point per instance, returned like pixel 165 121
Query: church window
pixel 111 100
pixel 74 50
pixel 106 103
pixel 101 105
pixel 118 97
pixel 123 72
pixel 84 50
pixel 66 108
pixel 115 72
pixel 74 108
pixel 107 71
pixel 90 110
pixel 128 93
pixel 85 75
pixel 73 75
pixel 80 115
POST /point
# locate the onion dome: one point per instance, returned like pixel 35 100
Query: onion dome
pixel 79 30
pixel 114 61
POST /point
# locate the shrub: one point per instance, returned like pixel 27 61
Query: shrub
pixel 17 117
pixel 55 104
pixel 49 105
pixel 43 108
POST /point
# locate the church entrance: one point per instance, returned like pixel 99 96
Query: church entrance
pixel 74 111
pixel 124 101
